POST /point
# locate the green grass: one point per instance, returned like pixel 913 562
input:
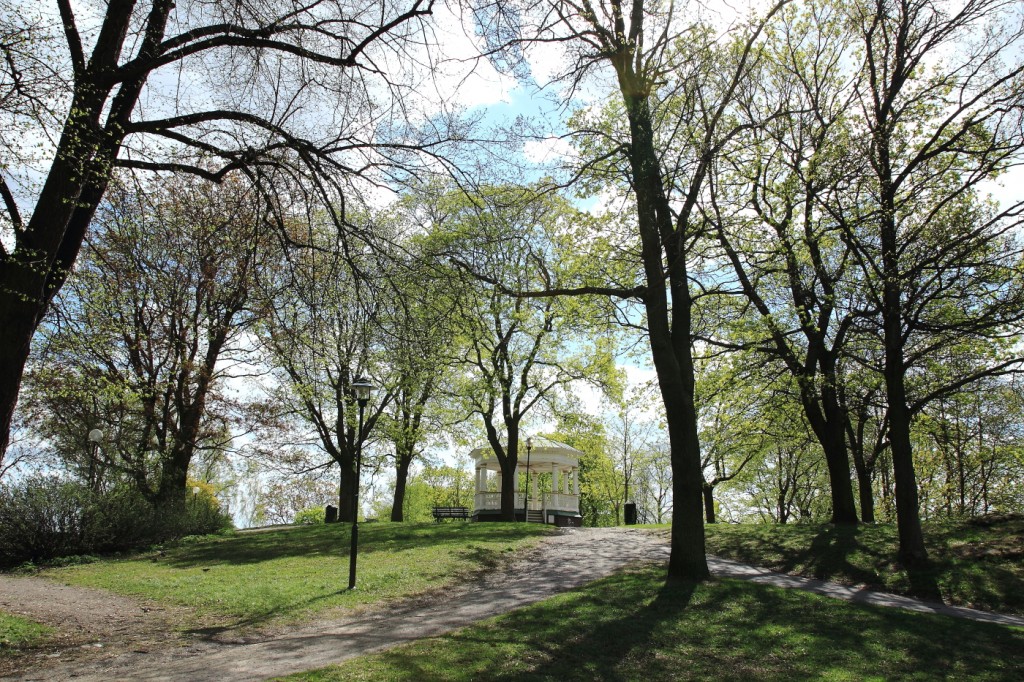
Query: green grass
pixel 17 632
pixel 293 572
pixel 635 627
pixel 978 563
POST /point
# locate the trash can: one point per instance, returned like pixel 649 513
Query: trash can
pixel 631 513
pixel 331 515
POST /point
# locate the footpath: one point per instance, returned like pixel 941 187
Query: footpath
pixel 566 561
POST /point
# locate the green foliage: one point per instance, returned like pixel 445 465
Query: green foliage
pixel 597 470
pixel 45 518
pixel 634 626
pixel 977 563
pixel 308 517
pixel 285 573
pixel 148 320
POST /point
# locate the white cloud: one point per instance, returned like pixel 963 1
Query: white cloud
pixel 547 150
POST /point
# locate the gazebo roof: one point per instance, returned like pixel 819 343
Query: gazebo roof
pixel 544 451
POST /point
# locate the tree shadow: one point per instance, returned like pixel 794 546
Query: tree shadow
pixel 333 541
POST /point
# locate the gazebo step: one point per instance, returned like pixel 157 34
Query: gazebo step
pixel 535 516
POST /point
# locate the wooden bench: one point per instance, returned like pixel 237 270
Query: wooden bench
pixel 450 513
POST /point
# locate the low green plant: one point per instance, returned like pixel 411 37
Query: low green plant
pixel 314 515
pixel 634 626
pixel 19 633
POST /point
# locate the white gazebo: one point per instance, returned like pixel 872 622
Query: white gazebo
pixel 553 481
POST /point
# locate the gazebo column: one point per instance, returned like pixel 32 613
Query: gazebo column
pixel 535 487
pixel 565 482
pixel 576 481
pixel 554 478
pixel 515 481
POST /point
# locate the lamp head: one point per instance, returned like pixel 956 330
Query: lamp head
pixel 362 387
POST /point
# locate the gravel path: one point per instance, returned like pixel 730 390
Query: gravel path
pixel 568 560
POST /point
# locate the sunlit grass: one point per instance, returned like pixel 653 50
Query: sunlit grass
pixel 634 627
pixel 17 632
pixel 292 572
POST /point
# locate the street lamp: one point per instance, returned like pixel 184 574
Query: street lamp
pixel 95 438
pixel 361 387
pixel 526 504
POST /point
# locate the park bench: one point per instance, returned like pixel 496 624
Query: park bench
pixel 450 513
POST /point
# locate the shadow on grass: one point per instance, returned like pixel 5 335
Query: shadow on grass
pixel 830 551
pixel 636 627
pixel 333 540
pixel 583 634
pixel 259 618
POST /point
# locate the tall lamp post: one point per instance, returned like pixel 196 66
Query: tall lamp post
pixel 361 387
pixel 526 504
pixel 95 437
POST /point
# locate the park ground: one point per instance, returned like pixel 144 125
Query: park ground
pixel 257 605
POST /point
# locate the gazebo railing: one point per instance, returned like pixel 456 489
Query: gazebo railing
pixel 559 501
pixel 562 502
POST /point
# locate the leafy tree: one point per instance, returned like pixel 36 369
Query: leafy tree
pixel 147 332
pixel 319 336
pixel 588 434
pixel 939 94
pixel 654 483
pixel 101 100
pixel 786 248
pixel 417 337
pixel 734 406
pixel 516 354
pixel 659 156
pixel 283 499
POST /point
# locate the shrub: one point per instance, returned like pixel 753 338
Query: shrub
pixel 42 518
pixel 309 517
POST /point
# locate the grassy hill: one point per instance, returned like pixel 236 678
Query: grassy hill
pixel 977 563
pixel 292 572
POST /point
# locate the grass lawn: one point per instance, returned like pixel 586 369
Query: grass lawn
pixel 17 632
pixel 293 572
pixel 634 627
pixel 976 563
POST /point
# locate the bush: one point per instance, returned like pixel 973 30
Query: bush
pixel 42 518
pixel 310 517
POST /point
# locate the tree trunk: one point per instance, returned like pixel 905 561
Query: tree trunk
pixel 171 492
pixel 709 503
pixel 508 490
pixel 827 422
pixel 864 489
pixel 347 492
pixel 669 332
pixel 15 345
pixel 912 551
pixel 401 477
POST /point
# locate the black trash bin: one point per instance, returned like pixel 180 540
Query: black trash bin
pixel 331 515
pixel 631 513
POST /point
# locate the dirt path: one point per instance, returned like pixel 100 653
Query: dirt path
pixel 565 561
pixel 137 644
pixel 88 622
